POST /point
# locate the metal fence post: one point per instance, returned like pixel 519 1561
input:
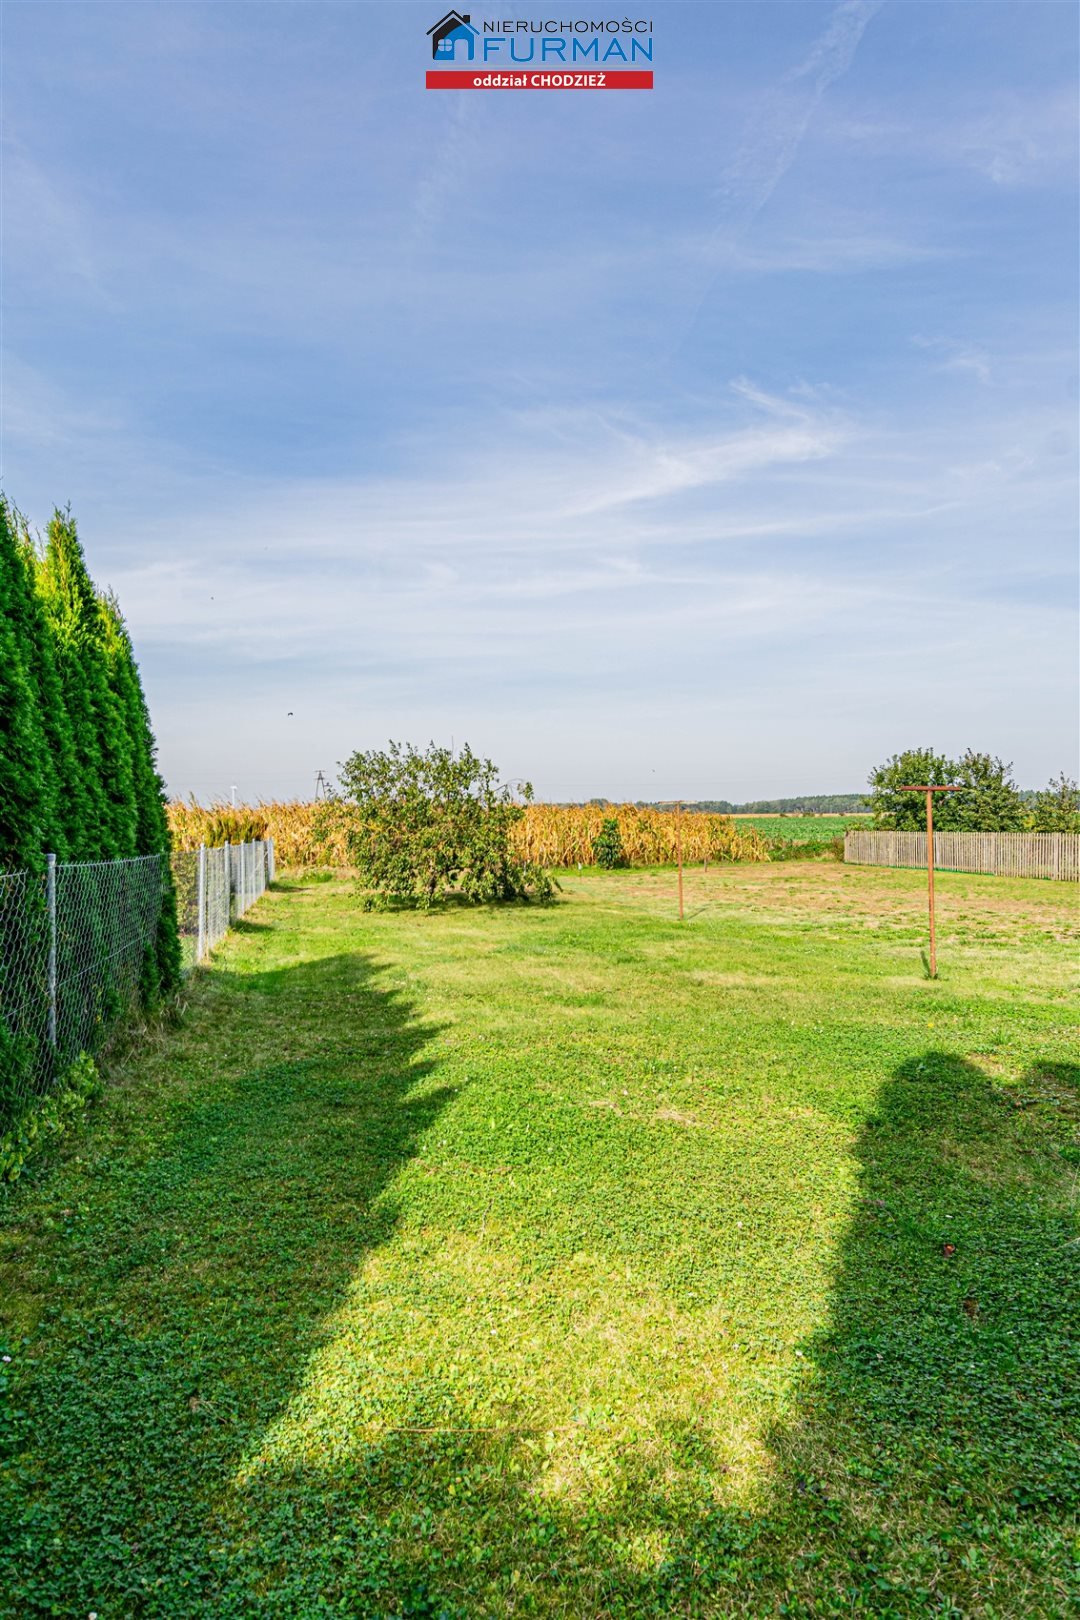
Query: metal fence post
pixel 200 950
pixel 228 883
pixel 50 893
pixel 270 859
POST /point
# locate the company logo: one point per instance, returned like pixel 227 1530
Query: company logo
pixel 448 33
pixel 505 47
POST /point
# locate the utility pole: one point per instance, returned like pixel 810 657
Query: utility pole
pixel 320 786
pixel 924 787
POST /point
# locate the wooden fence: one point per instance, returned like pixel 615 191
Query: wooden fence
pixel 1038 855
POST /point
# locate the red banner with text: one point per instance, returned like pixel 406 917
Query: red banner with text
pixel 542 79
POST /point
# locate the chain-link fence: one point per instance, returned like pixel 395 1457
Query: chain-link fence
pixel 216 886
pixel 77 950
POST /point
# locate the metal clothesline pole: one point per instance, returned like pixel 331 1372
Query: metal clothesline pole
pixel 925 787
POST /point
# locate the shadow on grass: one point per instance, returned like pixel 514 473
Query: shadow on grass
pixel 927 1463
pixel 932 1464
pixel 190 1290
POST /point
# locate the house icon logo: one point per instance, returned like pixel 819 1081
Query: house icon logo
pixel 448 33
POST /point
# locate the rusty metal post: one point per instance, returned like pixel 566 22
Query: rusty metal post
pixel 678 850
pixel 930 878
pixel 929 790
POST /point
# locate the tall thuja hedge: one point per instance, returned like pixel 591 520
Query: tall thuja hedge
pixel 62 796
pixel 103 750
pixel 102 687
pixel 29 790
pixel 28 799
pixel 152 834
pixel 77 777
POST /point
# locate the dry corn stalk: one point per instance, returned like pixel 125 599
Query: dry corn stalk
pixel 553 835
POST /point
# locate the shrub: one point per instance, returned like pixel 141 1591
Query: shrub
pixel 423 825
pixel 49 1118
pixel 607 846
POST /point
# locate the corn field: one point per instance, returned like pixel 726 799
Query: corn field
pixel 299 839
pixel 552 835
pixel 562 835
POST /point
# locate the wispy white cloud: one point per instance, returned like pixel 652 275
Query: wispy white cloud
pixel 847 253
pixel 372 405
pixel 1012 139
pixel 771 144
pixel 956 356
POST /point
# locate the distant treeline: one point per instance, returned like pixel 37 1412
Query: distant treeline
pixel 813 804
pixel 817 804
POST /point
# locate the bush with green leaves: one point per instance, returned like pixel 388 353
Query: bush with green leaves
pixel 426 824
pixel 990 800
pixel 1057 807
pixel 607 846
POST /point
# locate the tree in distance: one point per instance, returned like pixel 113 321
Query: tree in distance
pixel 1057 807
pixel 423 825
pixel 992 801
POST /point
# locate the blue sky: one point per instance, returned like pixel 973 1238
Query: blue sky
pixel 717 440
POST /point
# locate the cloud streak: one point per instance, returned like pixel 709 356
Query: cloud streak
pixel 383 408
pixel 772 142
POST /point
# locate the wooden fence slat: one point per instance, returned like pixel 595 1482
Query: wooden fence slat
pixel 1042 855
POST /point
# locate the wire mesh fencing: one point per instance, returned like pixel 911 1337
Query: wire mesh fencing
pixel 215 887
pixel 77 949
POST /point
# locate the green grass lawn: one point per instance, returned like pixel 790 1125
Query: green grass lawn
pixel 568 1262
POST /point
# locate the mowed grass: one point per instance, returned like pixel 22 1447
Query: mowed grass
pixel 569 1262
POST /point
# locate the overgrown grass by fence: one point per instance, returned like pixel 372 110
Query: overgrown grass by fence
pixel 1026 854
pixel 78 955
